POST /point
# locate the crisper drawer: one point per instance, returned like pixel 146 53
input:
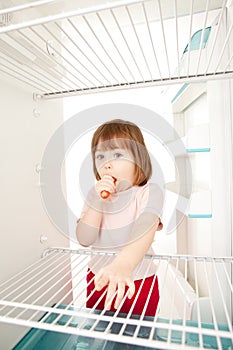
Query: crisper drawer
pixel 194 309
pixel 37 339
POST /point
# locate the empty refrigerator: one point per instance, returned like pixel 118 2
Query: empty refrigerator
pixel 56 53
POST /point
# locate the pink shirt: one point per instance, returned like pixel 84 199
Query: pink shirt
pixel 120 212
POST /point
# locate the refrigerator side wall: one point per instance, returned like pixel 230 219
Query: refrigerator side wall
pixel 26 127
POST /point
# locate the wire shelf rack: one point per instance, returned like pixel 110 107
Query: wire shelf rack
pixel 116 45
pixel 195 307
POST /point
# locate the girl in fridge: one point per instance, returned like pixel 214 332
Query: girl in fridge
pixel 121 215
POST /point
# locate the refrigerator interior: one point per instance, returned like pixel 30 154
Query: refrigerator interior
pixel 54 53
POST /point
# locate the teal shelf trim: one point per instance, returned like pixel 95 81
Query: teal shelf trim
pixel 200 216
pixel 196 150
pixel 183 87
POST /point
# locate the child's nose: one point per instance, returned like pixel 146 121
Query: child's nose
pixel 108 165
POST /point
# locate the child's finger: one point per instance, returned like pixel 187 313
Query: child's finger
pixel 110 295
pixel 105 185
pixel 120 293
pixel 131 289
pixel 100 281
pixel 108 180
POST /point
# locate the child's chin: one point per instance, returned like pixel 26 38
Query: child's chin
pixel 123 185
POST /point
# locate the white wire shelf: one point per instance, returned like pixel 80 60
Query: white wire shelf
pixel 195 307
pixel 116 45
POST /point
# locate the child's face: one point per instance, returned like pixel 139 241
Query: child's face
pixel 117 162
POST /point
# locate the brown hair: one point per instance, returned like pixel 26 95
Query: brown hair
pixel 128 136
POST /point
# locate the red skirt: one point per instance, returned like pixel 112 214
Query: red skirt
pixel 145 291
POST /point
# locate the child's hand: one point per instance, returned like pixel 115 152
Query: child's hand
pixel 106 184
pixel 117 277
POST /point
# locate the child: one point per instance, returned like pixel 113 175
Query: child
pixel 120 215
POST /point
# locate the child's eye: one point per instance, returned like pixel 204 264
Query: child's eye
pixel 118 155
pixel 99 156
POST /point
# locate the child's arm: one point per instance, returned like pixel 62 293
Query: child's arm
pixel 118 274
pixel 87 228
pixel 88 225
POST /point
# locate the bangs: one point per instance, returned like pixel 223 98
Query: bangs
pixel 114 130
pixel 113 143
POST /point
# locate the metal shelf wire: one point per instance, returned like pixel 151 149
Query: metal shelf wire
pixel 195 307
pixel 116 45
